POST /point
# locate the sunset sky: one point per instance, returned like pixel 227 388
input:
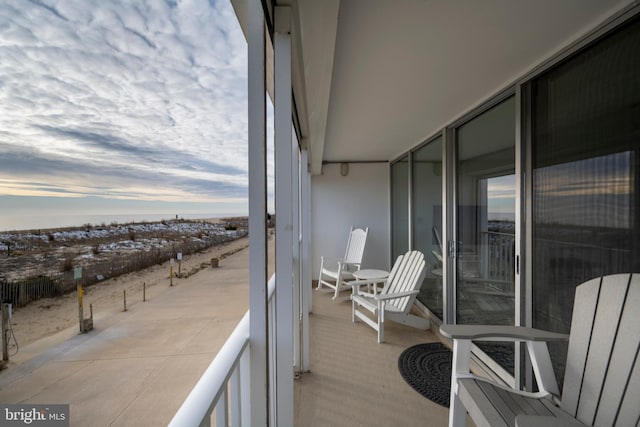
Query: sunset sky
pixel 122 106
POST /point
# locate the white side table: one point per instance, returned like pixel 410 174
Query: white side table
pixel 372 275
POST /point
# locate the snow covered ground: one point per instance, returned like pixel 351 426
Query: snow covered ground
pixel 31 253
pixel 31 239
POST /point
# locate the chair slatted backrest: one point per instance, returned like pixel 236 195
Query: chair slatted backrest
pixel 355 245
pixel 406 275
pixel 602 377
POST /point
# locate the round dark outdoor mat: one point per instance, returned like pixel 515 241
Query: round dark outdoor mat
pixel 427 368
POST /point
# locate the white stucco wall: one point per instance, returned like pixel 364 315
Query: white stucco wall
pixel 360 199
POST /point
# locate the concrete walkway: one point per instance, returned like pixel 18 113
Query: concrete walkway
pixel 136 367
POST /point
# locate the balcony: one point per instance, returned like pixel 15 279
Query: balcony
pixel 348 106
pixel 353 379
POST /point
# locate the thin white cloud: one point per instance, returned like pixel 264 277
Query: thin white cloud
pixel 142 99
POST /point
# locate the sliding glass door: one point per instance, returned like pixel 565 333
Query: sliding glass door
pixel 485 223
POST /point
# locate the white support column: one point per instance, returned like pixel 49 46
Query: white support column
pixel 284 217
pixel 259 403
pixel 295 204
pixel 305 258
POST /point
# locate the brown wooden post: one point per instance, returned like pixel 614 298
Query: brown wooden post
pixel 77 277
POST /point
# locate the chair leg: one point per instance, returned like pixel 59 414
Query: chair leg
pixel 460 365
pixel 320 275
pixel 338 281
pixel 457 412
pixel 380 322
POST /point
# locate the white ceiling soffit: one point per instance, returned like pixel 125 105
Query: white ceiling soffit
pixel 313 31
pixel 403 69
pixel 382 76
pixel 314 38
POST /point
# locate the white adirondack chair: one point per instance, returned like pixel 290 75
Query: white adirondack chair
pixel 334 273
pixel 602 376
pixel 395 299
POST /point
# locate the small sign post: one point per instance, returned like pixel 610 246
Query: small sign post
pixel 85 324
pixel 179 256
pixel 171 272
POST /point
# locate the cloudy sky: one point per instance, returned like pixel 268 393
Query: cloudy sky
pixel 127 101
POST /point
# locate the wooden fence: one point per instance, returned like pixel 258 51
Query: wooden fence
pixel 21 292
pixel 36 286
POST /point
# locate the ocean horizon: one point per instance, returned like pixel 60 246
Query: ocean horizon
pixel 44 222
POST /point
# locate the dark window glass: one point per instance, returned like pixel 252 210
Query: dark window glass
pixel 586 181
pixel 427 220
pixel 399 207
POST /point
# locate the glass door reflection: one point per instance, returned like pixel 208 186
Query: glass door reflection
pixel 485 228
pixel 426 214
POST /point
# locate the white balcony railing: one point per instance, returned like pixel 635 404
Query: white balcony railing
pixel 223 389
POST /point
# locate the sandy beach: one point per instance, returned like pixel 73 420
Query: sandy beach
pixel 55 318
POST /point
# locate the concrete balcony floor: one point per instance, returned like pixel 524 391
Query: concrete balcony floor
pixel 353 380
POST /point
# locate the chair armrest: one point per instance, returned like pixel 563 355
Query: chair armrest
pixel 499 333
pixel 338 261
pixel 535 339
pixel 546 421
pixel 345 262
pixel 536 342
pixel 385 297
pixel 331 258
